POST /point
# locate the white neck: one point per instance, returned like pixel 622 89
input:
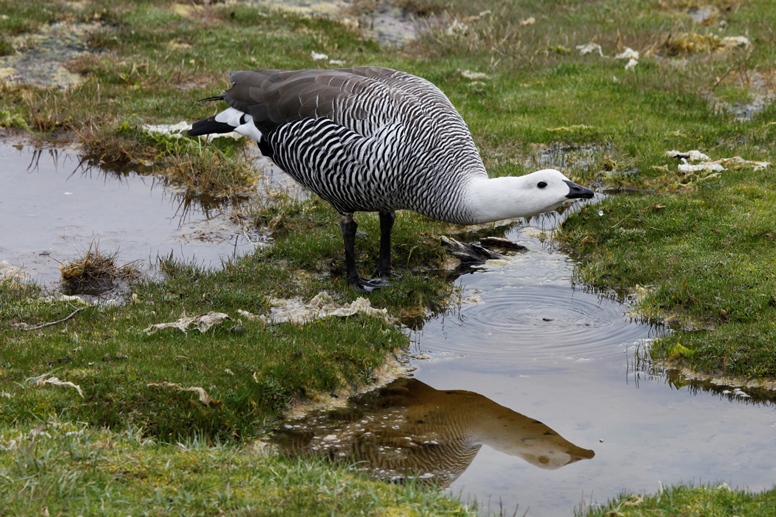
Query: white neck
pixel 494 199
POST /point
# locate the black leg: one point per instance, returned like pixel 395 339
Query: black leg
pixel 384 267
pixel 349 226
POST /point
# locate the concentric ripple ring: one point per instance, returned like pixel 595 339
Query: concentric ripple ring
pixel 535 317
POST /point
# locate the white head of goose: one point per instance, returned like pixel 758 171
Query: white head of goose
pixel 372 139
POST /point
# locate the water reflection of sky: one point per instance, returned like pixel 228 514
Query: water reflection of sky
pixel 52 209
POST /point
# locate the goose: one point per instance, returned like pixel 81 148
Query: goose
pixel 373 139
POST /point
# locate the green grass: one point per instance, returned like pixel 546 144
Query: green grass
pixel 688 501
pixel 705 255
pixel 701 247
pixel 253 370
pixel 113 375
pixel 59 468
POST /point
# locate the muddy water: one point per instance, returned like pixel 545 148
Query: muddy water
pixel 529 396
pixel 52 208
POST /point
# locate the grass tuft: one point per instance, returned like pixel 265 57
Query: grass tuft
pixel 691 501
pixel 95 272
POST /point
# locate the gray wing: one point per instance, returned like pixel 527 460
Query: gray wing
pixel 362 99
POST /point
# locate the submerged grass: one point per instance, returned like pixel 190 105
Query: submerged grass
pixel 701 244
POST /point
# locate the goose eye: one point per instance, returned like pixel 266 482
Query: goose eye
pixel 541 184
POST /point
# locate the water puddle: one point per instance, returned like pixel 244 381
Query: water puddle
pixel 531 396
pixel 52 207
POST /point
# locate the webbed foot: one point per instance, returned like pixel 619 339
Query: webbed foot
pixel 385 274
pixel 366 286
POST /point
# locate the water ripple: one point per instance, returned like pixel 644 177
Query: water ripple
pixel 529 314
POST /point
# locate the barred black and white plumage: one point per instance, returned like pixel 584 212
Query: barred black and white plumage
pixel 373 139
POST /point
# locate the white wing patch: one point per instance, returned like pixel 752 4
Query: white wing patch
pixel 242 123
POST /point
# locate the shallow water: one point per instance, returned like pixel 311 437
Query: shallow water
pixel 529 348
pixel 52 208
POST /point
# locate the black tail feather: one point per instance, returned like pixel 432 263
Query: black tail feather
pixel 213 98
pixel 209 126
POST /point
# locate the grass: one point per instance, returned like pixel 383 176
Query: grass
pixel 58 468
pixel 254 371
pixel 228 385
pixel 698 245
pixel 715 283
pixel 95 272
pixel 688 501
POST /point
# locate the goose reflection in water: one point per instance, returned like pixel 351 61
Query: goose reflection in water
pixel 409 429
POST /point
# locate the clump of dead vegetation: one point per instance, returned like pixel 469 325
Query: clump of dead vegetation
pixel 212 174
pixel 685 43
pixel 95 272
